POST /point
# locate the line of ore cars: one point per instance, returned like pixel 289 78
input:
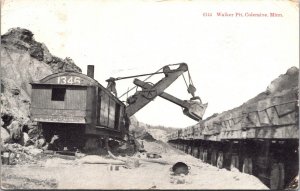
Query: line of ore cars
pixel 261 137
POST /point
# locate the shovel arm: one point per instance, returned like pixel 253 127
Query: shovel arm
pixel 192 109
pixel 142 98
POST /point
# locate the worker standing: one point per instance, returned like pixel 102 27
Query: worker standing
pixel 111 86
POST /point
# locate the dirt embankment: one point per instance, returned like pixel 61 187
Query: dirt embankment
pixel 149 132
pixel 281 90
pixel 23 60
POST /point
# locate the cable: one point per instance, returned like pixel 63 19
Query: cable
pixel 190 78
pixel 127 92
pixel 150 75
pixel 185 81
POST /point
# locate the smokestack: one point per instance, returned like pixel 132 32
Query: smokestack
pixel 90 71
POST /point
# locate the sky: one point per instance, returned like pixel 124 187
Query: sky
pixel 231 59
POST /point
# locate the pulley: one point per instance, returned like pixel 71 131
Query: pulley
pixel 191 89
pixel 150 93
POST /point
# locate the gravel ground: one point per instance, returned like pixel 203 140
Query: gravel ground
pixel 57 173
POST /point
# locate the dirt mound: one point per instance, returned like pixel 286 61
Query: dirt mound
pixel 281 95
pixel 283 83
pixel 24 60
pixel 147 136
pixel 140 130
pixel 286 81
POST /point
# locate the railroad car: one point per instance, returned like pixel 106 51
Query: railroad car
pixel 261 137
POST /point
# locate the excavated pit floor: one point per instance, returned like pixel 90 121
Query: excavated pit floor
pixel 57 173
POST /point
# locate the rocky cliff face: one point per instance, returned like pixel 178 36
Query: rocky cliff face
pixel 24 60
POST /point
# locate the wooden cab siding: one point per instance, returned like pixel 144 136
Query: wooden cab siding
pixel 72 109
pixel 71 97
